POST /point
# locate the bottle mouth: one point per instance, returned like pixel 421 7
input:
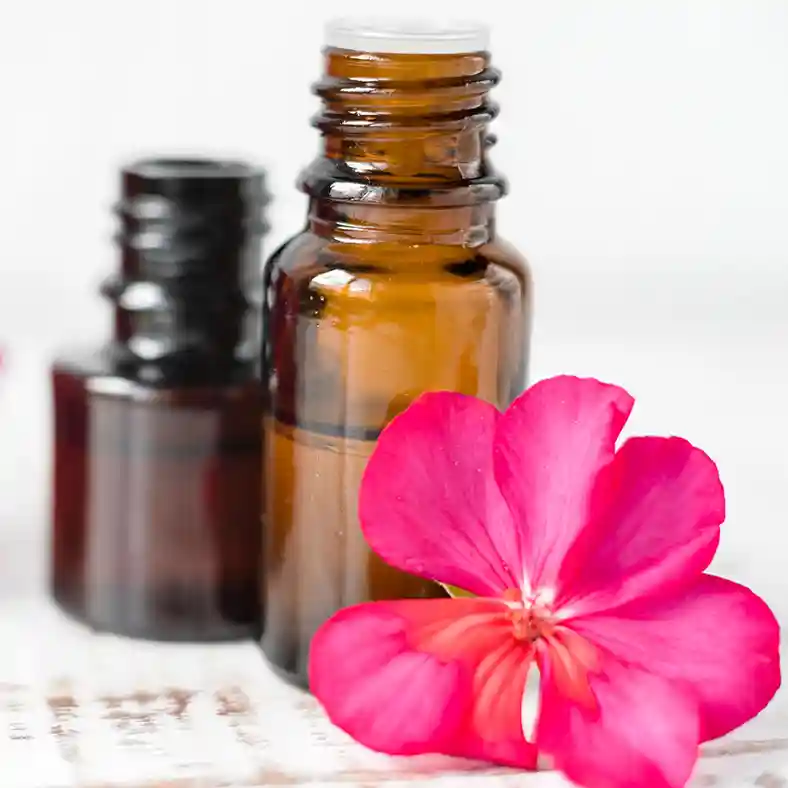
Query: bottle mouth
pixel 179 168
pixel 182 212
pixel 414 36
pixel 192 191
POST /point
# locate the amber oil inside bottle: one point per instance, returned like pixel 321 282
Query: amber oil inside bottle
pixel 399 285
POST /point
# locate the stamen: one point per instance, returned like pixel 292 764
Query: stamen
pixel 530 618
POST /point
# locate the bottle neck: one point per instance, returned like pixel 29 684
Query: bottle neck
pixel 186 301
pixel 465 226
pixel 404 135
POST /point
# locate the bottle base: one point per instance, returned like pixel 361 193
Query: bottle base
pixel 290 677
pixel 154 628
pixel 292 672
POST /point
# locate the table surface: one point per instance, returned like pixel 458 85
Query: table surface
pixel 79 709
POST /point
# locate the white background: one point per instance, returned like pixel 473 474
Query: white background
pixel 646 144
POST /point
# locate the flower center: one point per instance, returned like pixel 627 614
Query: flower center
pixel 530 619
pixel 572 658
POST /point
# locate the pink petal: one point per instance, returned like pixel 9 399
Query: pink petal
pixel 717 638
pixel 657 511
pixel 642 731
pixel 429 504
pixel 549 448
pixel 425 676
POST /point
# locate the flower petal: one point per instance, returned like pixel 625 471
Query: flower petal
pixel 642 731
pixel 656 524
pixel 549 447
pixel 717 638
pixel 429 504
pixel 425 676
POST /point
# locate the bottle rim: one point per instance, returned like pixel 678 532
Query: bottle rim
pixel 396 35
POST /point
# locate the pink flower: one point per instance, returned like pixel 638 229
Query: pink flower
pixel 587 565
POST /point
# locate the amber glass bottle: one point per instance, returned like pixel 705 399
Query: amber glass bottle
pixel 156 510
pixel 398 285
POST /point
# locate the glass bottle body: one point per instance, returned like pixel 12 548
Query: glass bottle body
pixel 158 436
pixel 156 503
pixel 354 335
pixel 399 285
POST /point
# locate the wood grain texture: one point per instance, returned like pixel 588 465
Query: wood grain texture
pixel 79 710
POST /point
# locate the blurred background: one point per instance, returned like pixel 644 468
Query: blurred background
pixel 646 144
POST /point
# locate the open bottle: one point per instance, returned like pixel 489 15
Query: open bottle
pixel 398 285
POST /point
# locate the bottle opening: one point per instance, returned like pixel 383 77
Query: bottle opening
pixel 178 168
pixel 407 36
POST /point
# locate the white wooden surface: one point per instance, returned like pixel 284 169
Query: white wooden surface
pixel 83 710
pixel 100 712
pixel 95 711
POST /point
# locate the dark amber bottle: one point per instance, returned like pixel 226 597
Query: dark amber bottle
pixel 157 501
pixel 398 285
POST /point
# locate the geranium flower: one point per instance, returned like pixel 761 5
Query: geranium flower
pixel 587 568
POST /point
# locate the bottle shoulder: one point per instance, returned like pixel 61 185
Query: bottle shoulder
pixel 298 251
pixel 99 372
pixel 85 362
pixel 502 252
pixel 308 254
